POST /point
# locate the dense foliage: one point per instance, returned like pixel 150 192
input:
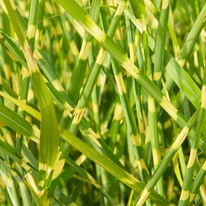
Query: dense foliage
pixel 102 102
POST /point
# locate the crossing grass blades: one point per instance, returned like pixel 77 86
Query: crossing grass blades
pixel 102 102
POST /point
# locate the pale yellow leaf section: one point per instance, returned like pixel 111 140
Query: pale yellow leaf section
pixel 157 76
pixel 181 62
pixel 151 105
pixel 81 159
pixel 95 107
pixel 118 112
pixel 25 72
pixel 93 137
pixel 36 133
pixel 136 139
pixel 101 80
pixel 4 8
pixel 44 167
pixel 177 169
pixel 69 109
pixel 193 154
pixel 143 197
pixel 130 67
pixel 202 192
pixel 37 55
pixel 192 195
pixel 155 157
pixel 142 161
pixel 184 195
pixel 58 166
pixel 101 56
pixel 29 58
pixel 25 165
pixel 8 181
pixel 74 48
pixel 49 7
pixel 7 70
pixel 180 138
pixel 95 30
pixel 85 50
pixel 204 166
pixel 30 94
pixel 67 25
pixel 120 84
pixel 203 97
pixel 31 31
pixel 78 115
pixel 167 124
pixel 120 8
pixel 169 108
pixel 132 52
pixel 29 178
pixel 165 4
pixel 41 184
pixel 57 85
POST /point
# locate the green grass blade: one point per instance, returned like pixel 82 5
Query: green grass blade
pixel 160 41
pixel 49 125
pixel 193 35
pixel 108 165
pixel 123 60
pixel 14 121
pixel 79 71
pixel 167 158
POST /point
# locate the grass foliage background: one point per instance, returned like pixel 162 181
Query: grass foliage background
pixel 102 102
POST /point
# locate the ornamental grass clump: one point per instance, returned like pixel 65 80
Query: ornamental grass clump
pixel 102 102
